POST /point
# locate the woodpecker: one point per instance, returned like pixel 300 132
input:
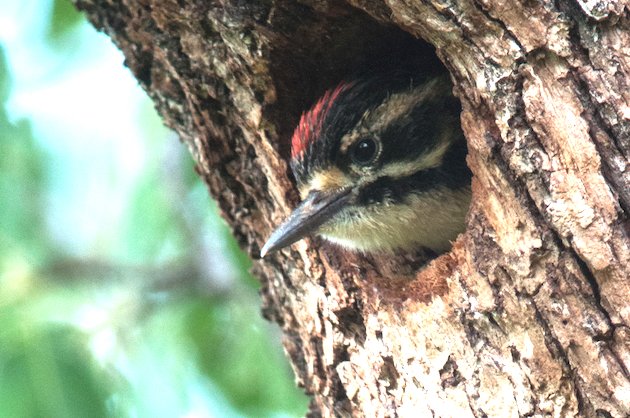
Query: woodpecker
pixel 380 164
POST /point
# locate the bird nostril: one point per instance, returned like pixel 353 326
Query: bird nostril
pixel 314 197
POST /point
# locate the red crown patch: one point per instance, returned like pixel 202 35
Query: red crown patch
pixel 312 121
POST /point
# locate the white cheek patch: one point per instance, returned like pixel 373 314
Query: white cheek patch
pixel 421 220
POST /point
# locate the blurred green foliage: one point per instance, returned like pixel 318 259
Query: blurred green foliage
pixel 63 19
pixel 156 315
pixel 33 358
pixel 21 165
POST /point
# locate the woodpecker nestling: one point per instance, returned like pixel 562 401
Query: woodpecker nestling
pixel 380 166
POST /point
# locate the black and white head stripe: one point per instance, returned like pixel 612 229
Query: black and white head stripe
pixel 408 125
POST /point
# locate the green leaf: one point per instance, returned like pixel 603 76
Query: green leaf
pixel 236 352
pixel 22 183
pixel 47 372
pixel 63 19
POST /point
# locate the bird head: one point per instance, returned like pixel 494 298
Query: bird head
pixel 380 165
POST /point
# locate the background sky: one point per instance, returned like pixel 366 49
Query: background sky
pixel 122 292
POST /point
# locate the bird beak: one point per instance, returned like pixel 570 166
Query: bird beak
pixel 317 208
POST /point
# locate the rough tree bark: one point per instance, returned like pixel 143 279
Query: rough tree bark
pixel 528 315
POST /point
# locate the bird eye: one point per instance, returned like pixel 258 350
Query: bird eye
pixel 364 151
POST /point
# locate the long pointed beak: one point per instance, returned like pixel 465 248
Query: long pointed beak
pixel 317 208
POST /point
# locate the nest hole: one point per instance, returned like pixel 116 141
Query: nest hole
pixel 325 47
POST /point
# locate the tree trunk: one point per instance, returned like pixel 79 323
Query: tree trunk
pixel 529 314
